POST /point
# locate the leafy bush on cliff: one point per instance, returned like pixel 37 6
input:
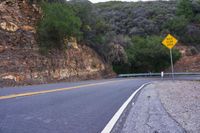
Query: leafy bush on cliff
pixel 93 26
pixel 59 21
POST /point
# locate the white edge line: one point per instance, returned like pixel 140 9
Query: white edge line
pixel 108 128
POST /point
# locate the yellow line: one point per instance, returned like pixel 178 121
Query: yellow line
pixel 55 90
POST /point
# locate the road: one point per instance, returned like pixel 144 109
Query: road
pixel 82 107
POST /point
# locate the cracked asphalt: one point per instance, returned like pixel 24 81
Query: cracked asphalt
pixel 182 100
pixel 147 115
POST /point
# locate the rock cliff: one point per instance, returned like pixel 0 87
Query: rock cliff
pixel 20 58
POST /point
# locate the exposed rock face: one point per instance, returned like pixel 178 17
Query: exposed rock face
pixel 9 26
pixel 17 24
pixel 21 61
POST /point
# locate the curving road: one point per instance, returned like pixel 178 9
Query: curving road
pixel 81 107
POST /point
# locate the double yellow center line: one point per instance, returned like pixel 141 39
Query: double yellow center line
pixel 54 90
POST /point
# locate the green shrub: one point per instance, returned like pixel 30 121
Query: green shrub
pixel 122 68
pixel 197 18
pixel 59 21
pixel 184 8
pixel 176 25
pixel 93 26
pixel 149 55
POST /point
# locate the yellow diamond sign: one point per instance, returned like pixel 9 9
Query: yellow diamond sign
pixel 169 41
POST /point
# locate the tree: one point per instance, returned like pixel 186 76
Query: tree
pixel 176 25
pixel 185 8
pixel 92 24
pixel 59 22
pixel 148 54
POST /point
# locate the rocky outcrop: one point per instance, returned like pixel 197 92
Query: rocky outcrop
pixel 17 24
pixel 26 65
pixel 20 58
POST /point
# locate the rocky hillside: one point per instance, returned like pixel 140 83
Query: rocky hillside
pixel 21 61
pixel 159 18
pixel 137 18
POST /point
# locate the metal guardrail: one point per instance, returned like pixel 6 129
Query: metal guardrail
pixel 156 74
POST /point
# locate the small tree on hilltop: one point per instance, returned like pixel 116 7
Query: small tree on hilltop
pixel 185 8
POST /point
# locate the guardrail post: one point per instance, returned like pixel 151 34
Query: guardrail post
pixel 162 75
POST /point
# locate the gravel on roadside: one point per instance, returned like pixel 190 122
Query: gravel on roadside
pixel 181 99
pixel 164 107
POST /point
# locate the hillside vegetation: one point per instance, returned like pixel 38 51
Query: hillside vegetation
pixel 126 35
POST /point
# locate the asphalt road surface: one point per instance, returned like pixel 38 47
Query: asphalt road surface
pixel 85 108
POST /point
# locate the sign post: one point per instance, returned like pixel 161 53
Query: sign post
pixel 170 42
pixel 172 65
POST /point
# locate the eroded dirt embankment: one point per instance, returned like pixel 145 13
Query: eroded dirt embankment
pixel 189 61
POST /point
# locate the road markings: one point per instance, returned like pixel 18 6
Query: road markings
pixel 56 90
pixel 108 128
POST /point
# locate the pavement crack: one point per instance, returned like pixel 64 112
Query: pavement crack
pixel 170 116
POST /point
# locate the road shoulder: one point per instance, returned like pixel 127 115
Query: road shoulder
pixel 181 100
pixel 163 107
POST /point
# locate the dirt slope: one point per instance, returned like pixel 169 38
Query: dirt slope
pixel 190 60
